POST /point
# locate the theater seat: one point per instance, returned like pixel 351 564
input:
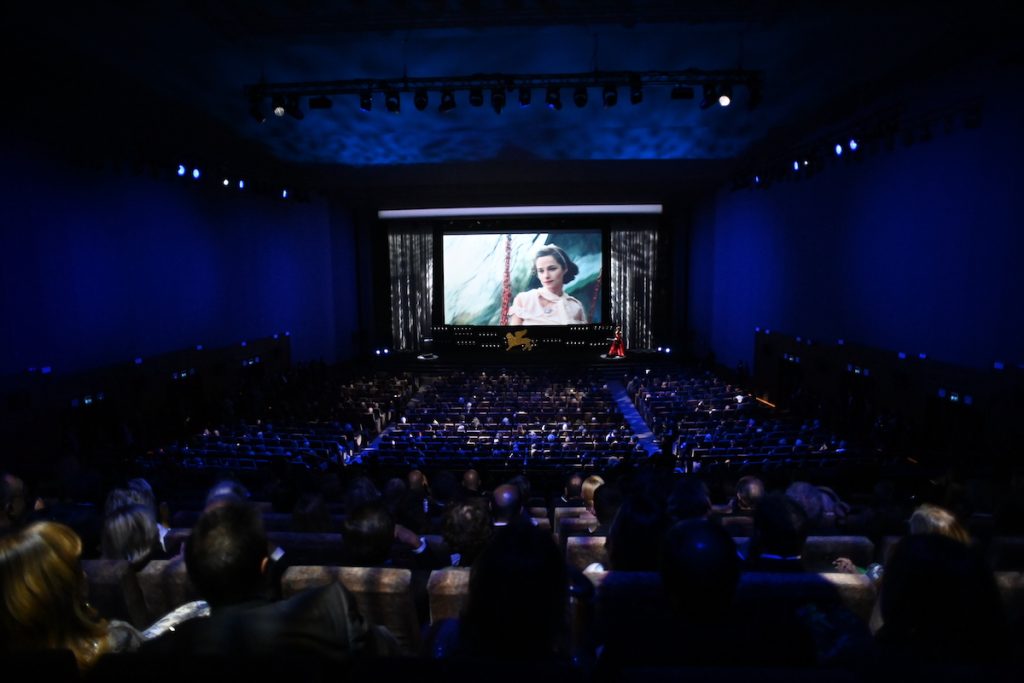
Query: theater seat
pixel 582 551
pixel 114 591
pixel 384 595
pixel 165 586
pixel 448 590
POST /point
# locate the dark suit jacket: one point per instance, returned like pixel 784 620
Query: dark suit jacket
pixel 318 622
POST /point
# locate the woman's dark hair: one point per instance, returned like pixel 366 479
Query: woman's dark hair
pixel 555 251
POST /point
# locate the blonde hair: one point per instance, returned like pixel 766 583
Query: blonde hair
pixel 932 519
pixel 42 594
pixel 591 484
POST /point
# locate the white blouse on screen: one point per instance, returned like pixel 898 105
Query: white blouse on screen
pixel 541 307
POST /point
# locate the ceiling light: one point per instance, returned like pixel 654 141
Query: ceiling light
pixel 447 101
pixel 553 98
pixel 420 99
pixel 636 90
pixel 725 95
pixel 708 96
pixel 579 96
pixel 610 96
pixel 476 97
pixel 277 101
pixel 524 96
pixel 392 101
pixel 498 100
pixel 292 107
pixel 366 100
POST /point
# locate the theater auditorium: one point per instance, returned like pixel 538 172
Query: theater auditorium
pixel 611 340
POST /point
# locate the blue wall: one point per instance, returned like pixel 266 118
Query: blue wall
pixel 917 249
pixel 98 267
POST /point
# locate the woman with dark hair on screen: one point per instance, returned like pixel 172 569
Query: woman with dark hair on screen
pixel 549 304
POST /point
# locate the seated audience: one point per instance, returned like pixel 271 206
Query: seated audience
pixel 780 531
pixel 227 561
pixel 43 603
pixel 130 533
pixel 940 605
pixel 467 528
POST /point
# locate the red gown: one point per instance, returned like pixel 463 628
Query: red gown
pixel 618 347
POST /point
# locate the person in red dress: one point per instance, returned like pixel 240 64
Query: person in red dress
pixel 618 348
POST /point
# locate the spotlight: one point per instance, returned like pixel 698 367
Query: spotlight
pixel 853 145
pixel 498 100
pixel 682 92
pixel 225 182
pixel 420 99
pixel 725 95
pixel 284 195
pixel 524 96
pixel 447 101
pixel 195 174
pixel 610 96
pixel 579 97
pixel 708 96
pixel 476 97
pixel 392 101
pixel 796 165
pixel 839 150
pixel 241 184
pixel 553 99
pixel 292 107
pixel 182 170
pixel 277 101
pixel 636 91
pixel 320 102
pixel 366 100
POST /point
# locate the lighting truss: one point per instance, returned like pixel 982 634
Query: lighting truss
pixel 687 78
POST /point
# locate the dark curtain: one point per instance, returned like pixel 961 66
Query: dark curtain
pixel 411 261
pixel 634 260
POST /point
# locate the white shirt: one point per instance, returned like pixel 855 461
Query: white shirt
pixel 541 307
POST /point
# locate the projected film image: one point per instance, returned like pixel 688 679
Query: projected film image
pixel 540 278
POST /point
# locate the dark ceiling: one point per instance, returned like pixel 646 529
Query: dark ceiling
pixel 176 72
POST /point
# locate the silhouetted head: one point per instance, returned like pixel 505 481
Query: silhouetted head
pixel 226 554
pixel 700 569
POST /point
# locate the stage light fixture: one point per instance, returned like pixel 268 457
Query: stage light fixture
pixel 420 99
pixel 498 100
pixel 525 95
pixel 708 96
pixel 366 100
pixel 256 110
pixel 196 174
pixel 293 108
pixel 636 91
pixel 182 170
pixel 476 97
pixel 839 150
pixel 447 101
pixel 277 101
pixel 392 101
pixel 579 97
pixel 553 98
pixel 320 102
pixel 725 95
pixel 610 96
pixel 284 195
pixel 682 92
pixel 853 145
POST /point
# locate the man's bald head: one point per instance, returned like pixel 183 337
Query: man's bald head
pixel 506 503
pixel 471 480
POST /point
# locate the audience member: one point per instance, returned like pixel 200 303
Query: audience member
pixel 634 540
pixel 43 597
pixel 690 499
pixel 780 531
pixel 467 528
pixel 130 533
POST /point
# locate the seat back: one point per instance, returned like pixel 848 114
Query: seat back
pixel 384 595
pixel 448 590
pixel 114 591
pixel 165 586
pixel 582 551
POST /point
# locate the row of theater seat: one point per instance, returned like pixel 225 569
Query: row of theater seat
pixel 622 599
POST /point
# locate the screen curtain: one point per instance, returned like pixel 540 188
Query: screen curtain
pixel 411 258
pixel 634 258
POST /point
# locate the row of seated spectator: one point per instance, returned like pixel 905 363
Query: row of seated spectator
pixel 673 586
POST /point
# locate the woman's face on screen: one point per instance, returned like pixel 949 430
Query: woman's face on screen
pixel 550 273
